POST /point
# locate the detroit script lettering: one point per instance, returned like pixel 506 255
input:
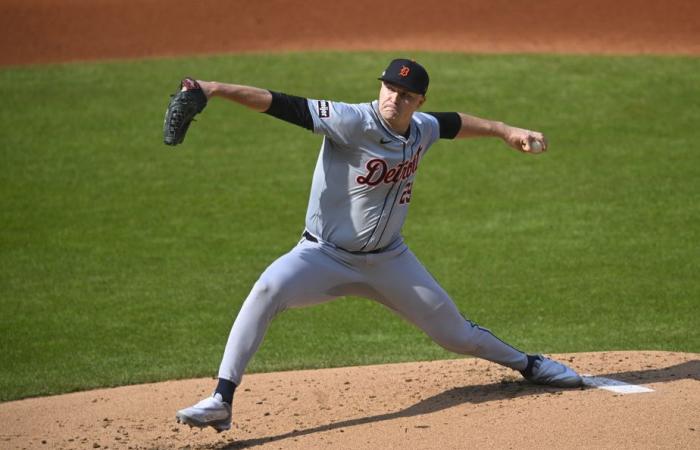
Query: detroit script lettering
pixel 378 171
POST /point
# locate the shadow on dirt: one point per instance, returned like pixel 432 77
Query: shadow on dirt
pixel 480 394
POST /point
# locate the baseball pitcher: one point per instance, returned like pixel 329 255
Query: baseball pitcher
pixel 352 245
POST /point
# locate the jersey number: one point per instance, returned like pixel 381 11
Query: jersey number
pixel 406 195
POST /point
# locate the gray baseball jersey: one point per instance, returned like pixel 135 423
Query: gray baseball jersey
pixel 364 176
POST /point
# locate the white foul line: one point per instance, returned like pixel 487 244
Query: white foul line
pixel 617 386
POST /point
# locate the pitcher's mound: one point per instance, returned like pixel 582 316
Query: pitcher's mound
pixel 426 405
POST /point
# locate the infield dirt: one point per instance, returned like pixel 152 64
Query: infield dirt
pixel 39 31
pixel 427 405
pixel 466 403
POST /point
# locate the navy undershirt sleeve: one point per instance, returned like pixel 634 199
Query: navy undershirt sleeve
pixel 450 123
pixel 292 109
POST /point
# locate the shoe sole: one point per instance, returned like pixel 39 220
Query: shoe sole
pixel 568 383
pixel 218 426
pixel 572 381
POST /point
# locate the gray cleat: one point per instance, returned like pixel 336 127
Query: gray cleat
pixel 210 412
pixel 553 373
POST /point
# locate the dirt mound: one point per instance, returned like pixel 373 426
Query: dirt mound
pixel 425 405
pixel 38 31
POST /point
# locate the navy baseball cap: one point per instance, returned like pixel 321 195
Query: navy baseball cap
pixel 408 74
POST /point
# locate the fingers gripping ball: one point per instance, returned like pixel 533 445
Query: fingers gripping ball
pixel 534 144
pixel 189 101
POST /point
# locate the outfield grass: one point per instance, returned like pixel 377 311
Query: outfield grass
pixel 124 261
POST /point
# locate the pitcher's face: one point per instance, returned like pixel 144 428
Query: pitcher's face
pixel 397 103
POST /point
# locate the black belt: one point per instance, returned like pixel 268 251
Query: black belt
pixel 310 237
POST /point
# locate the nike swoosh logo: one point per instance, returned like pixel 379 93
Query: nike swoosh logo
pixel 384 141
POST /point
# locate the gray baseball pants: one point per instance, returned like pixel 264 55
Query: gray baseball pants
pixel 317 272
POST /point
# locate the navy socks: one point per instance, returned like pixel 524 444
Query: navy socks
pixel 527 373
pixel 226 388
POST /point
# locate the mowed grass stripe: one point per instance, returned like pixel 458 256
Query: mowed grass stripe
pixel 124 261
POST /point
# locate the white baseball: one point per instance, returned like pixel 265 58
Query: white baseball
pixel 535 146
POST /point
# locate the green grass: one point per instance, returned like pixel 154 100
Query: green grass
pixel 124 261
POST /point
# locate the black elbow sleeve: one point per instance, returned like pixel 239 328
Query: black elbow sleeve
pixel 292 109
pixel 450 123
